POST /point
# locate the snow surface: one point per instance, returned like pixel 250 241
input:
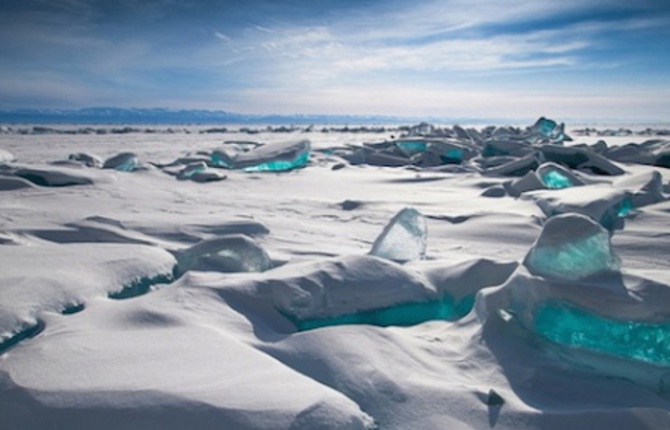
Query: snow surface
pixel 119 309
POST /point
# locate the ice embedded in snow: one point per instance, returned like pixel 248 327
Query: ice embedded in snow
pixel 555 176
pixel 575 327
pixel 85 159
pixel 199 172
pixel 571 247
pixel 404 238
pixel 230 253
pixel 123 162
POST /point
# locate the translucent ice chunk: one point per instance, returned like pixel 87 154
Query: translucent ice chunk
pixel 571 247
pixel 571 326
pixel 554 179
pixel 404 237
pixel 123 162
pixel 231 253
pixel 555 176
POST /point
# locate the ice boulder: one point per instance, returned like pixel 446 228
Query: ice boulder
pixel 555 176
pixel 123 162
pixel 230 253
pixel 404 238
pixel 571 247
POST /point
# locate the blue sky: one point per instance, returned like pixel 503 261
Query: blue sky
pixel 590 59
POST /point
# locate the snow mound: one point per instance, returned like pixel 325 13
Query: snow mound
pixel 37 277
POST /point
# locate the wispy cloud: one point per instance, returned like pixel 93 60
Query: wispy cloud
pixel 377 56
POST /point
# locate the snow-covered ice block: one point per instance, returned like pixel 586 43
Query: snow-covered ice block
pixel 603 204
pixel 9 183
pixel 191 169
pixel 571 247
pixel 518 167
pixel 644 188
pixel 555 176
pixel 86 159
pixel 275 157
pixel 528 182
pixel 580 159
pixel 341 286
pixel 123 162
pixel 55 176
pixel 404 238
pixel 230 253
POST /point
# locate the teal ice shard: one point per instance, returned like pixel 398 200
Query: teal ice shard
pixel 123 162
pixel 404 238
pixel 571 326
pixel 570 247
pixel 229 254
pixel 550 130
pixel 555 176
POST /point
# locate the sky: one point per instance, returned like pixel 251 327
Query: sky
pixel 588 59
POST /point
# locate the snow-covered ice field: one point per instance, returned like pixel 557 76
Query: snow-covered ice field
pixel 528 287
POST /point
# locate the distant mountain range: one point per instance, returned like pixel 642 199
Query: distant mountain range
pixel 113 115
